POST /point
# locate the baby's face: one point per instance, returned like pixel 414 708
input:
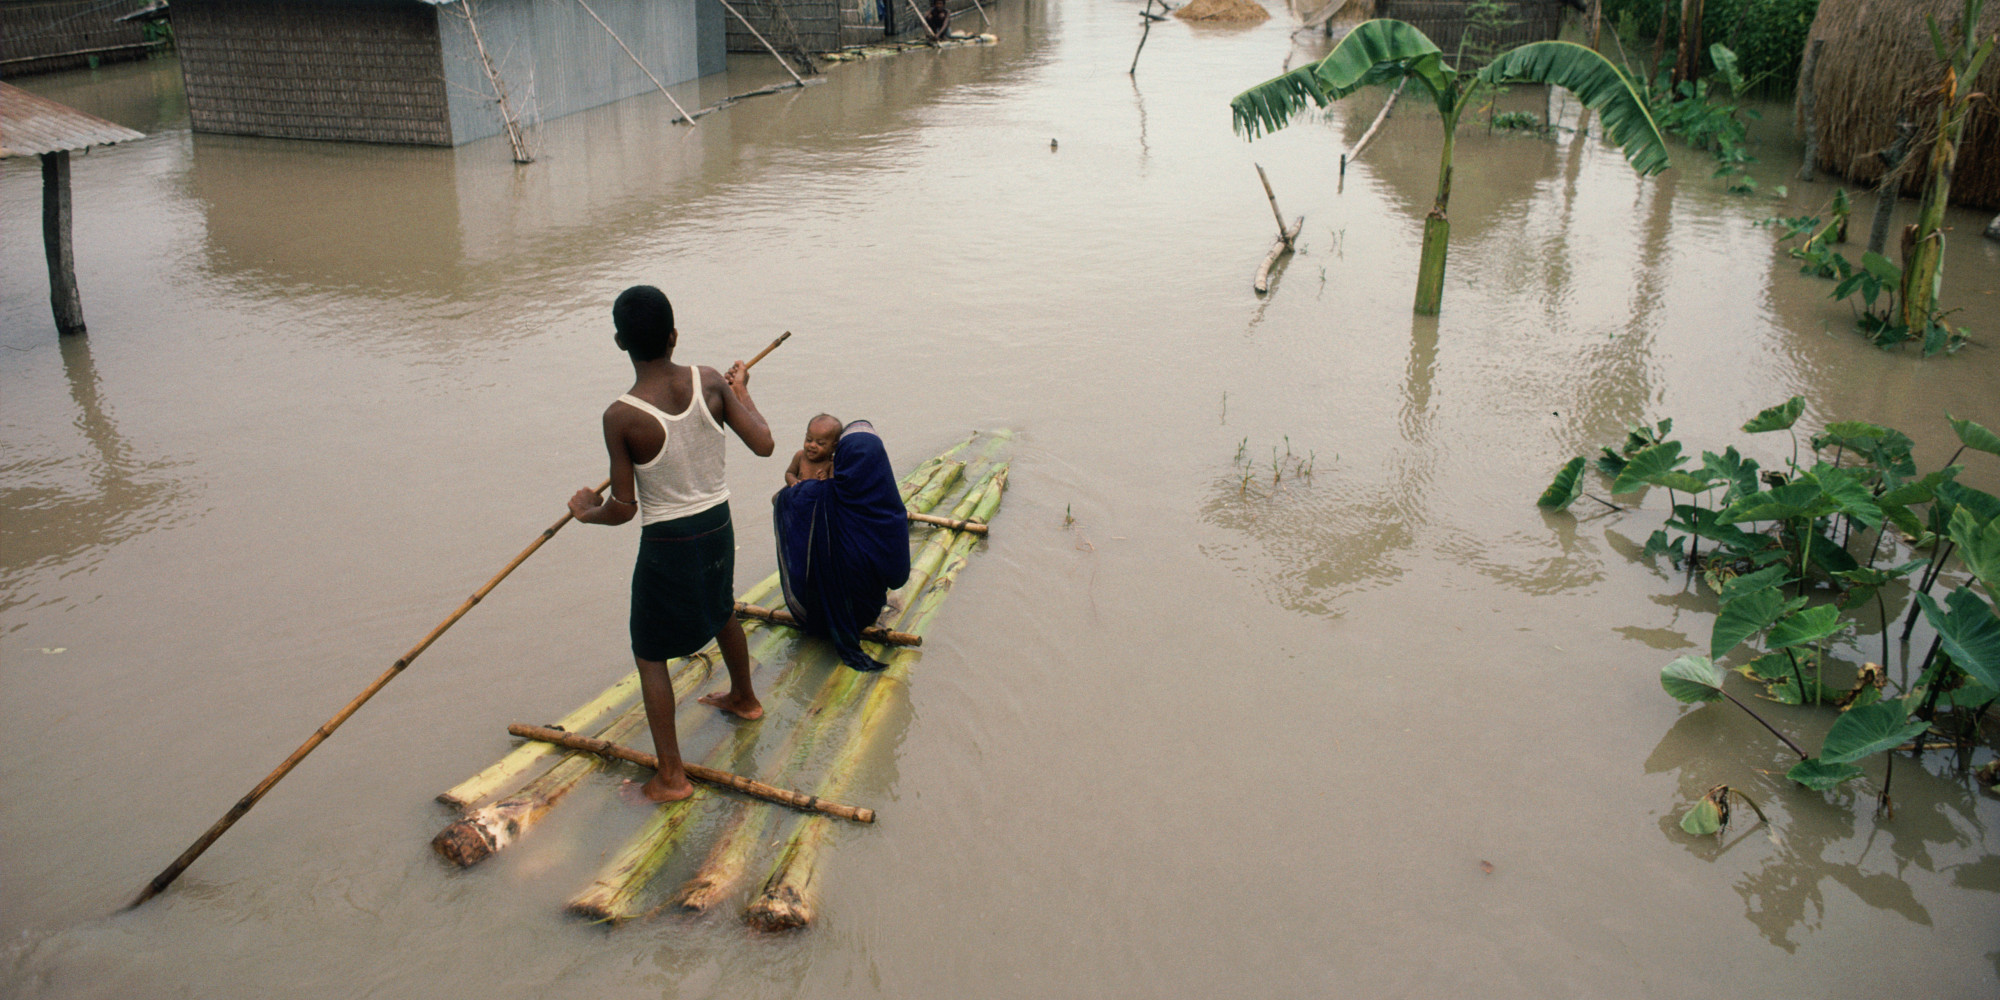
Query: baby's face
pixel 820 441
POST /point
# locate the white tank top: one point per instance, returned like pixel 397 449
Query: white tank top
pixel 686 476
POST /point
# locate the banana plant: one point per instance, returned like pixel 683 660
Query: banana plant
pixel 1389 51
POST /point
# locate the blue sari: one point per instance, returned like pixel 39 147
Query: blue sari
pixel 843 544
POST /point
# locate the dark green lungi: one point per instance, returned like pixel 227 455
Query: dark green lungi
pixel 682 583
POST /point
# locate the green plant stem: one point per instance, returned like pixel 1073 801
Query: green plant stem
pixel 1754 807
pixel 1797 678
pixel 1774 730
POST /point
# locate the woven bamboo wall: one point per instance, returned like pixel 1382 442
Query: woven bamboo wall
pixel 1444 20
pixel 861 21
pixel 39 36
pixel 313 70
pixel 817 22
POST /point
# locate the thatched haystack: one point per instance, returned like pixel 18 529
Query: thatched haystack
pixel 1224 12
pixel 1875 69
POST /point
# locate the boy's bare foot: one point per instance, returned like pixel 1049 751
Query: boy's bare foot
pixel 742 708
pixel 656 790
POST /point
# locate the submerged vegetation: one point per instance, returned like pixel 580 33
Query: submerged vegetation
pixel 1382 52
pixel 1793 555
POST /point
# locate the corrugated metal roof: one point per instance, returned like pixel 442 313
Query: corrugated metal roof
pixel 31 125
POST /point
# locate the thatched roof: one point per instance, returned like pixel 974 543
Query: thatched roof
pixel 1877 62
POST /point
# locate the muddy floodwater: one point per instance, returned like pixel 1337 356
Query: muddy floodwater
pixel 1388 730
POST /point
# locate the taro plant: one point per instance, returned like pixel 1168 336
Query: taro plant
pixel 1388 51
pixel 1694 111
pixel 1791 552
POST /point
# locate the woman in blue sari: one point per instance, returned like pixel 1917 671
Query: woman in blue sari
pixel 843 544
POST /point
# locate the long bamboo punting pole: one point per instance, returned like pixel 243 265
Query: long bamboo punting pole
pixel 1381 116
pixel 729 857
pixel 789 898
pixel 945 522
pixel 708 775
pixel 244 805
pixel 873 633
pixel 612 896
pixel 760 37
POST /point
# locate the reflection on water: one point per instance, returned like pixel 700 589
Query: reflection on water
pixel 1937 828
pixel 65 513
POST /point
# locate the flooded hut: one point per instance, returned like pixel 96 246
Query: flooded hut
pixel 1874 70
pixel 429 72
pixel 815 26
pixel 41 36
pixel 1517 22
pixel 32 125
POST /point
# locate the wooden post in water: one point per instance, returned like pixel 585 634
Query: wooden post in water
pixel 1809 108
pixel 56 240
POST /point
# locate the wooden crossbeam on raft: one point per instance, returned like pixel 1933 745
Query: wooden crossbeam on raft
pixel 707 775
pixel 873 633
pixel 955 524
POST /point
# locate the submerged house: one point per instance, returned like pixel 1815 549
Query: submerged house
pixel 428 72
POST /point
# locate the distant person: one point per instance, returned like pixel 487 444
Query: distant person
pixel 938 20
pixel 666 444
pixel 815 460
pixel 843 544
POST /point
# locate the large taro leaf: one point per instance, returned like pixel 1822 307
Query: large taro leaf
pixel 1970 633
pixel 1804 627
pixel 1870 729
pixel 1739 472
pixel 1568 485
pixel 1644 466
pixel 1692 679
pixel 1974 436
pixel 1821 776
pixel 1777 418
pixel 1702 819
pixel 1885 448
pixel 1783 503
pixel 1768 578
pixel 1685 482
pixel 1748 615
pixel 1978 547
pixel 1848 495
pixel 1706 523
pixel 1863 581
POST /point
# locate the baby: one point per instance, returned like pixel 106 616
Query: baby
pixel 815 460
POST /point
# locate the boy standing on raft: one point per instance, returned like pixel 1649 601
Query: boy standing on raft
pixel 666 444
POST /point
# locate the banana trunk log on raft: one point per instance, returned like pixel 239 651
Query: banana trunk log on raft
pixel 790 896
pixel 525 758
pixel 873 633
pixel 730 857
pixel 612 896
pixel 490 829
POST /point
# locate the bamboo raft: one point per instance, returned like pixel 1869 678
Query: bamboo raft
pixel 803 763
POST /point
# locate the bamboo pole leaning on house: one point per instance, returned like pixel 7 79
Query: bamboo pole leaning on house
pixel 790 895
pixel 729 857
pixel 508 119
pixel 612 896
pixel 726 5
pixel 636 62
pixel 935 37
pixel 873 633
pixel 707 775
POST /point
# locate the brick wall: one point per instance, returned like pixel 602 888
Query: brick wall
pixel 326 70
